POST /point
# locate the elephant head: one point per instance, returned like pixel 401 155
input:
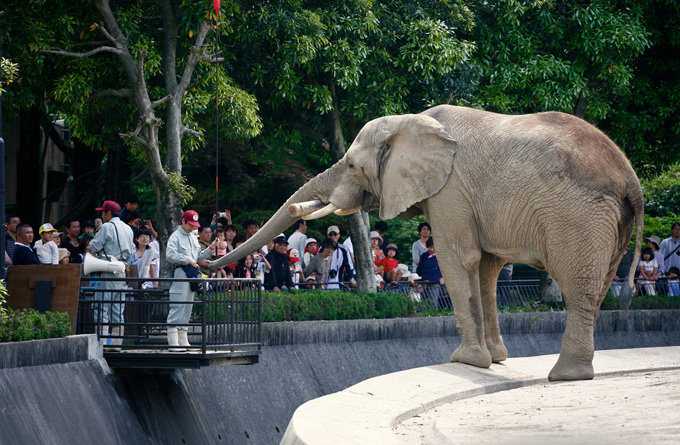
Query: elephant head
pixel 394 163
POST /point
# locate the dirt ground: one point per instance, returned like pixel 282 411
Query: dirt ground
pixel 638 408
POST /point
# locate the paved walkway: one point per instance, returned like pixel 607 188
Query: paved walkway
pixel 635 397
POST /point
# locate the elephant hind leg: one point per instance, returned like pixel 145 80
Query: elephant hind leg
pixel 489 268
pixel 583 296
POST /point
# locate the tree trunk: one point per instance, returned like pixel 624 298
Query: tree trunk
pixel 358 224
pixel 580 107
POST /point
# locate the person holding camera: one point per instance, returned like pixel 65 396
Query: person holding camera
pixel 183 254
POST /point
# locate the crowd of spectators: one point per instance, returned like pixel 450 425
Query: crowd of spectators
pixel 294 261
pixel 659 266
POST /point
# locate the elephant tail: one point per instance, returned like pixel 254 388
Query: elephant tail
pixel 638 211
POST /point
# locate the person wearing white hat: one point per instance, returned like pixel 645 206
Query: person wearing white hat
pixel 45 247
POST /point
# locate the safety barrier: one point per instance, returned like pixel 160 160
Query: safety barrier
pixel 225 316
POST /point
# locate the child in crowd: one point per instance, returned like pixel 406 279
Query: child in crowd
pixel 45 247
pixel 648 268
pixel 220 251
pixel 388 265
pixel 653 243
pixel 261 265
pixel 378 255
pixel 144 258
pixel 311 246
pixel 295 267
pixel 673 282
pixel 88 229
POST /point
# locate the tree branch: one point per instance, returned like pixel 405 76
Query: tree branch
pixel 190 131
pixel 101 49
pixel 106 33
pixel 89 43
pixel 194 56
pixel 122 93
pixel 315 135
pixel 211 58
pixel 160 101
pixel 140 140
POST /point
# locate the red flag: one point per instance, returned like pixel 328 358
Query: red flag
pixel 216 4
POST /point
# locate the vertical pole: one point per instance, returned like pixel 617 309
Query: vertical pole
pixel 3 266
pixel 217 117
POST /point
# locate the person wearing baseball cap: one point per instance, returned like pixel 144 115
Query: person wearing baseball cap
pixel 45 248
pixel 183 253
pixel 114 240
pixel 278 277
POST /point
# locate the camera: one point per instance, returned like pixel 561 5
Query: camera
pixel 222 215
pixel 332 273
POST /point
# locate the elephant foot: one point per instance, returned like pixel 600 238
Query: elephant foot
pixel 498 351
pixel 472 355
pixel 571 369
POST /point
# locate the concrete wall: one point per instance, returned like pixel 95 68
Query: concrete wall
pixel 77 401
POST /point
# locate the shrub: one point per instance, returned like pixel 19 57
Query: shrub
pixel 662 193
pixel 334 305
pixel 29 324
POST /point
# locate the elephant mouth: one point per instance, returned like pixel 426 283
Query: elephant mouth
pixel 316 209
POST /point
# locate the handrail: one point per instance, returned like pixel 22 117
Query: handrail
pixel 226 314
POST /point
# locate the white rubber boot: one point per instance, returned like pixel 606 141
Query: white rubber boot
pixel 183 337
pixel 173 340
pixel 114 344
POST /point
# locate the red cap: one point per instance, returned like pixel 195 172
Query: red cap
pixel 110 205
pixel 191 216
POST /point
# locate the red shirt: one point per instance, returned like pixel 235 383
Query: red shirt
pixel 387 263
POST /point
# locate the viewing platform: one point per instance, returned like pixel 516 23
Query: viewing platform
pixel 225 327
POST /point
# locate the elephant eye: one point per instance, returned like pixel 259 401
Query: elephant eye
pixel 350 165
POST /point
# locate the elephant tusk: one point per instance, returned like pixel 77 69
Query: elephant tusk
pixel 302 208
pixel 345 212
pixel 330 208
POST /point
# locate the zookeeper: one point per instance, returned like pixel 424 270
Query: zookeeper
pixel 113 240
pixel 183 253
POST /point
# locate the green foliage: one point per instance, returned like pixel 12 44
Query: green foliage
pixel 662 193
pixel 659 226
pixel 334 305
pixel 180 187
pixel 548 55
pixel 8 72
pixel 3 301
pixel 29 324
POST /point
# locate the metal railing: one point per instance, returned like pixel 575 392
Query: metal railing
pixel 226 314
pixel 508 292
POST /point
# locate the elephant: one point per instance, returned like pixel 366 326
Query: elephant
pixel 547 189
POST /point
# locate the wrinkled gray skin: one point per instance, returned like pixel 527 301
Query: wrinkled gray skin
pixel 547 189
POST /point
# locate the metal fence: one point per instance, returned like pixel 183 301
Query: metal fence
pixel 225 314
pixel 508 293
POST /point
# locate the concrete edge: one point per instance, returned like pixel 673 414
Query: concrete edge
pixel 369 411
pixel 341 331
pixel 72 348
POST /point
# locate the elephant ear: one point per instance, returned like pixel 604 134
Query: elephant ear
pixel 414 162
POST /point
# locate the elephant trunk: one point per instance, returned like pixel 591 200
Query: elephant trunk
pixel 317 189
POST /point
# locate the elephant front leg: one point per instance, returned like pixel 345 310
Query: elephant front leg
pixel 489 268
pixel 462 278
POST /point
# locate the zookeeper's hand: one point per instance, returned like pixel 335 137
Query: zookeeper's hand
pixel 193 263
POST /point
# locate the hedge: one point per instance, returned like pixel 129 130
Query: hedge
pixel 336 305
pixel 29 324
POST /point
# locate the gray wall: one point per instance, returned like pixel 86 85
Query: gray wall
pixel 80 402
